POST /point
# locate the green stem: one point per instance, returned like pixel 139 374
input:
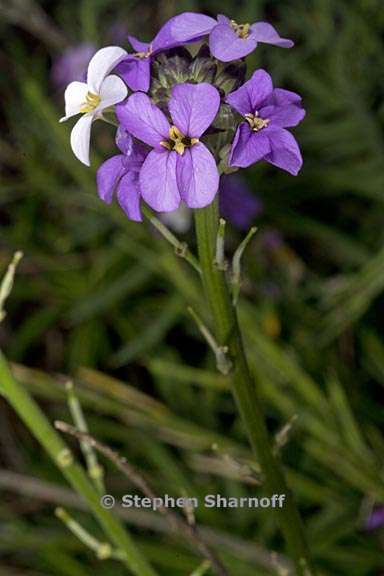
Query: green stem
pixel 40 426
pixel 243 386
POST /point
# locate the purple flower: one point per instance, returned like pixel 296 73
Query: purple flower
pixel 72 65
pixel 228 40
pixel 262 135
pixel 135 69
pixel 179 167
pixel 120 174
pixel 375 519
pixel 237 203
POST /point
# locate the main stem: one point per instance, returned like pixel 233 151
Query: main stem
pixel 243 386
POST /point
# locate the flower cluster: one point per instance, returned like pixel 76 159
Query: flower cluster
pixel 185 113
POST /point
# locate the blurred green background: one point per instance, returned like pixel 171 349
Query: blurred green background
pixel 103 301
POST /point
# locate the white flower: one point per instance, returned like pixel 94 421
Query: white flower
pixel 91 98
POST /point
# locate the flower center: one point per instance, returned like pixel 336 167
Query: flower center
pixel 146 54
pixel 242 30
pixel 91 102
pixel 256 123
pixel 177 141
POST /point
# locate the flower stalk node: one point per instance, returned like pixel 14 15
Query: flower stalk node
pixel 223 362
pixel 64 458
pixel 236 265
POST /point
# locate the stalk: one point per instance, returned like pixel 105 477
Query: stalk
pixel 227 332
pixel 38 424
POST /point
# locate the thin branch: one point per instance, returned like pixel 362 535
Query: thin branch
pixel 236 265
pixel 249 552
pixel 177 523
pixel 95 471
pixel 181 248
pixel 223 363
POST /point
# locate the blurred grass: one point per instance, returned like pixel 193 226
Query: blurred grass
pixel 104 300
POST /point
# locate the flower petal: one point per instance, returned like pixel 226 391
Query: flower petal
pixel 197 176
pixel 189 26
pixel 248 98
pixel 128 196
pixel 222 19
pixel 158 181
pixel 112 91
pixel 124 141
pixel 136 72
pixel 281 97
pixel 81 137
pixel 143 119
pixel 74 95
pixel 285 152
pixel 226 45
pixel 193 107
pixel 283 108
pixel 108 176
pixel 248 147
pixel 264 32
pixel 283 116
pixel 101 65
pixel 137 45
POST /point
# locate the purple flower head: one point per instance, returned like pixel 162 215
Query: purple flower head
pixel 72 65
pixel 267 111
pixel 120 174
pixel 237 203
pixel 136 68
pixel 228 40
pixel 179 167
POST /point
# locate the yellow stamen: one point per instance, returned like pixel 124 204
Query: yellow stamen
pixel 242 30
pixel 178 141
pixel 144 54
pixel 255 122
pixel 91 102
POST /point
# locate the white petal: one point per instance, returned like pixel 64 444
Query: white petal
pixel 112 91
pixel 81 137
pixel 101 64
pixel 74 95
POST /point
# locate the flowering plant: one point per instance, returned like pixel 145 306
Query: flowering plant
pixel 193 113
pixel 185 116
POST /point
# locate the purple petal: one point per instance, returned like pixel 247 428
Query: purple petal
pixel 248 147
pixel 221 19
pixel 108 176
pixel 252 94
pixel 124 141
pixel 225 44
pixel 283 108
pixel 143 119
pixel 264 32
pixel 193 107
pixel 137 45
pixel 197 176
pixel 158 181
pixel 285 152
pixel 237 203
pixel 281 97
pixel 136 72
pixel 283 116
pixel 189 26
pixel 375 519
pixel 128 196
